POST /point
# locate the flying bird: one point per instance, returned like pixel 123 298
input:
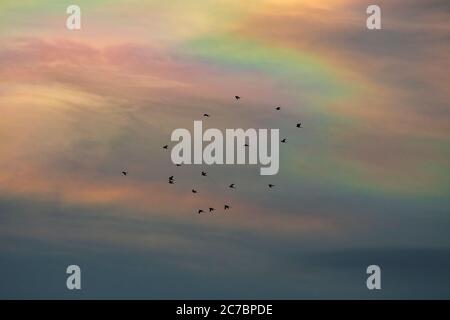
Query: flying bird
pixel 211 209
pixel 171 181
pixel 283 141
pixel 246 145
pixel 200 211
pixel 124 173
pixel 237 97
pixel 277 108
pixel 194 191
pixel 299 125
pixel 165 147
pixel 232 186
pixel 171 178
pixel 204 173
pixel 271 185
pixel 226 207
pixel 178 164
pixel 206 115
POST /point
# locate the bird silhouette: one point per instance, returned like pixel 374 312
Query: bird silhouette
pixel 204 174
pixel 299 125
pixel 124 173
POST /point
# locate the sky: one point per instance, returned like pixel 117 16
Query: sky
pixel 365 181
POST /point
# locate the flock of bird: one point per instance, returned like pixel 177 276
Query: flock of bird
pixel 204 174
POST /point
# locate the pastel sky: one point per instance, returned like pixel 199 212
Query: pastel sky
pixel 366 181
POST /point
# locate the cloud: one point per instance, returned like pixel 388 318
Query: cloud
pixel 369 168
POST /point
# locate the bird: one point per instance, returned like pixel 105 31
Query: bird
pixel 246 145
pixel 171 178
pixel 299 125
pixel 204 173
pixel 271 185
pixel 283 141
pixel 232 186
pixel 194 191
pixel 200 211
pixel 211 209
pixel 124 173
pixel 178 164
pixel 277 108
pixel 226 207
pixel 237 97
pixel 171 181
pixel 165 147
pixel 206 115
